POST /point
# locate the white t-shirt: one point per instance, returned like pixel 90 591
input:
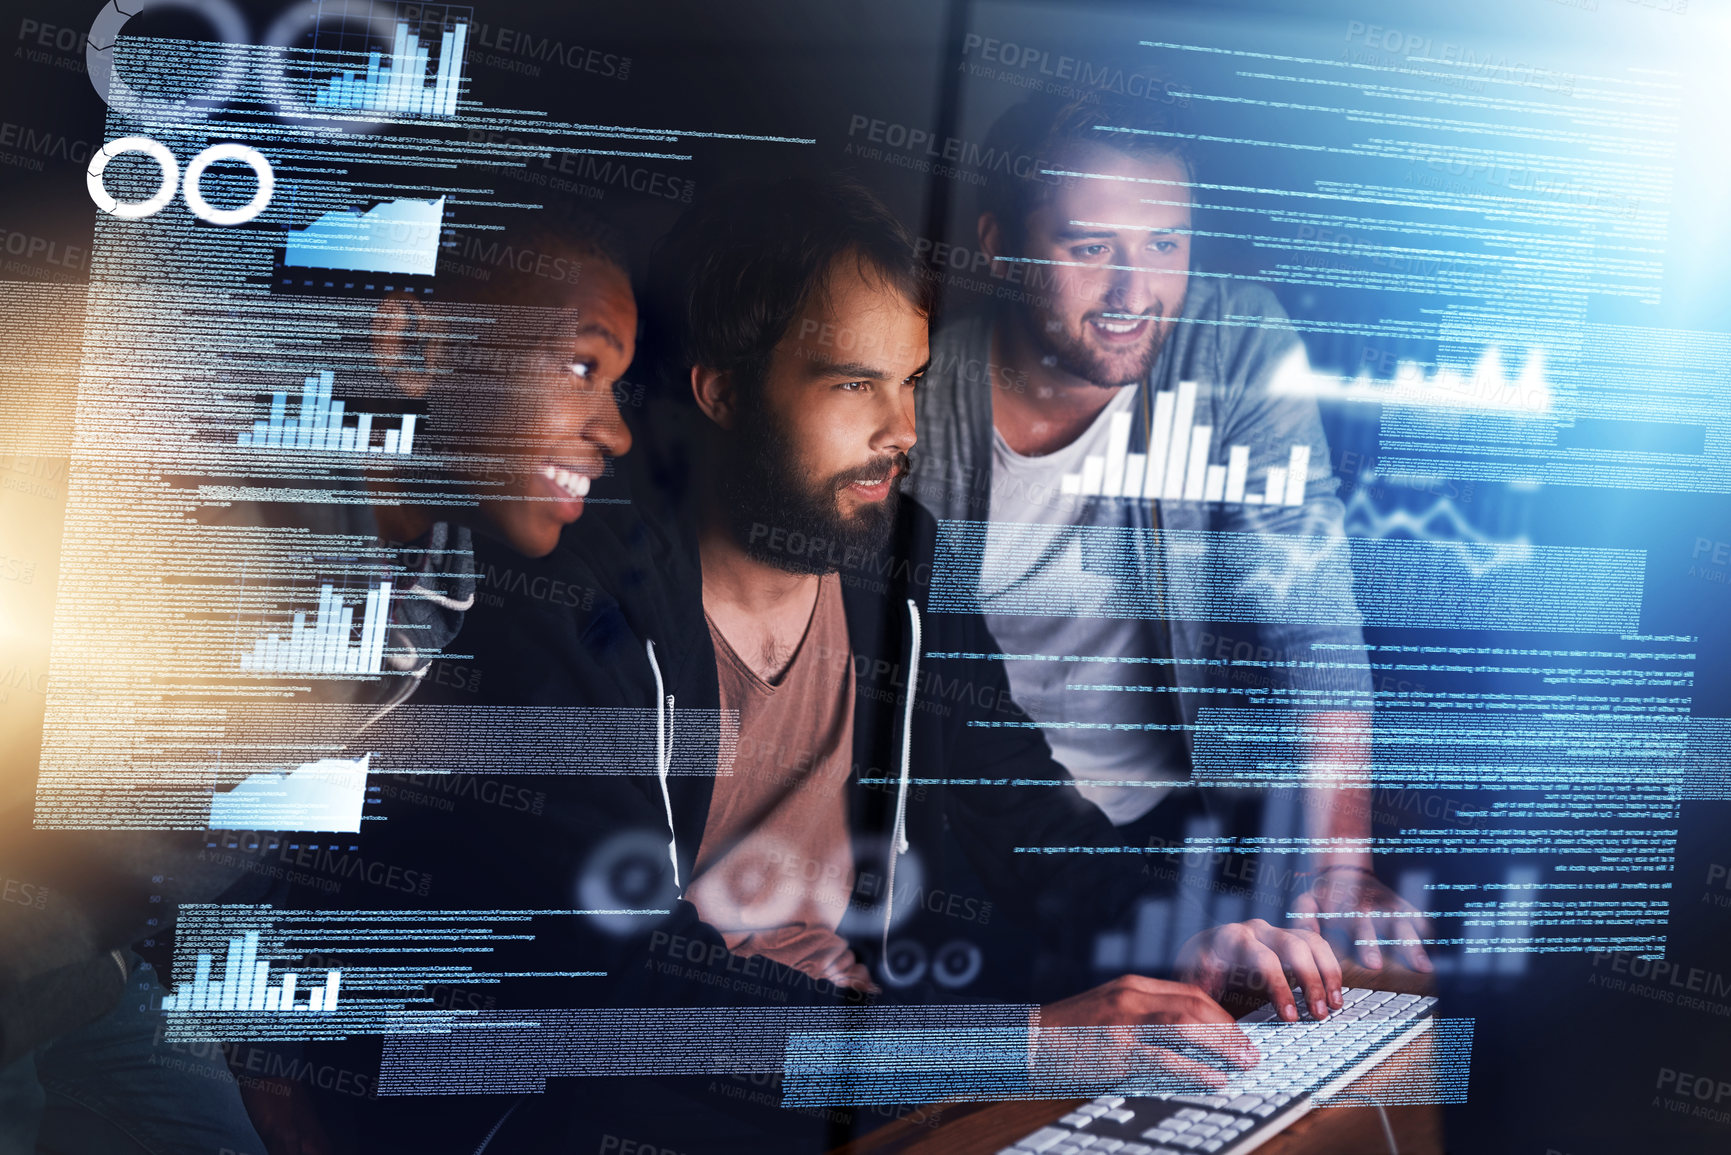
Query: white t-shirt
pixel 1123 772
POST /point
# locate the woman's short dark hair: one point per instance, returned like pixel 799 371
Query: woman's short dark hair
pixel 730 277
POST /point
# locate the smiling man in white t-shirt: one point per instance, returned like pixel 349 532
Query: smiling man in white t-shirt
pixel 1077 368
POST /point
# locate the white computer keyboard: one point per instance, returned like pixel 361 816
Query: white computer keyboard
pixel 1301 1063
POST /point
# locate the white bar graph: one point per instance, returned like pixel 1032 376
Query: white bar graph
pixel 325 647
pixel 1159 446
pixel 1196 464
pixel 402 84
pixel 1296 471
pixel 1093 475
pixel 320 425
pixel 1134 465
pixel 1214 485
pixel 245 985
pixel 1237 472
pixel 1177 466
pixel 1117 444
pixel 1182 417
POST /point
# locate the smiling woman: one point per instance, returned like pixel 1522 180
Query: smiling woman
pixel 520 385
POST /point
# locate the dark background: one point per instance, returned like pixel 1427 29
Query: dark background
pixel 1561 1064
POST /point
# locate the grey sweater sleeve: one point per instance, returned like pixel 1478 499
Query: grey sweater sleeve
pixel 1299 548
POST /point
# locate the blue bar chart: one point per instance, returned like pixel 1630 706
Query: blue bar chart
pixel 399 236
pixel 264 972
pixel 245 985
pixel 403 83
pixel 325 794
pixel 327 645
pixel 1177 467
pixel 321 425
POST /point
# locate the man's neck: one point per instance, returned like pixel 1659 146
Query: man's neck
pixel 1039 408
pixel 761 610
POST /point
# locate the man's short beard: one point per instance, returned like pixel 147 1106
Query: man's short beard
pixel 782 517
pixel 1075 357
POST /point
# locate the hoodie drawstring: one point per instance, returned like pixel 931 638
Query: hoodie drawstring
pixel 899 836
pixel 664 756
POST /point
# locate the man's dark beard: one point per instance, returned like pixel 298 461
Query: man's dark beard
pixel 785 519
pixel 1073 356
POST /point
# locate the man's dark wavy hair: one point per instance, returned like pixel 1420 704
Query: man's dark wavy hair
pixel 1032 134
pixel 727 281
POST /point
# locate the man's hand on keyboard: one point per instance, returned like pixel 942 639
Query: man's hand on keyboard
pixel 1112 1047
pixel 1267 957
pixel 1354 902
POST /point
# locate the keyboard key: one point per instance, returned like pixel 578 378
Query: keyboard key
pixel 1044 1139
pixel 1298 1058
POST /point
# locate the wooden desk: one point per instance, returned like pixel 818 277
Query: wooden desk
pixel 984 1128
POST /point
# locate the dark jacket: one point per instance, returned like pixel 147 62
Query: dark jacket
pixel 614 621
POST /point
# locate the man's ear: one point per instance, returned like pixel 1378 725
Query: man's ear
pixel 406 346
pixel 991 238
pixel 713 390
